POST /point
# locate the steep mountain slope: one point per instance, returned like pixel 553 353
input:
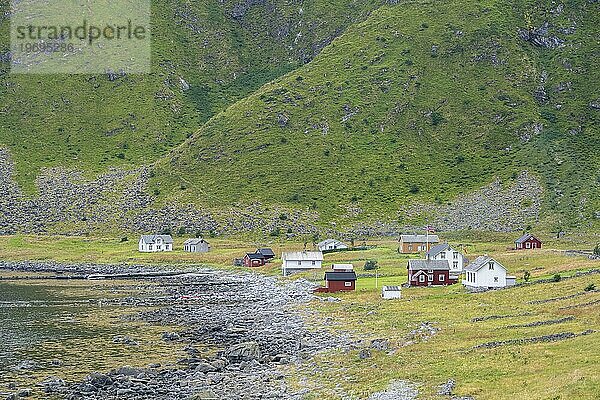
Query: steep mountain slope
pixel 206 55
pixel 423 101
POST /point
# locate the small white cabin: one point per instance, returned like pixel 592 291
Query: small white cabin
pixel 198 245
pixel 154 243
pixel 391 292
pixel 298 261
pixel 487 273
pixel 331 244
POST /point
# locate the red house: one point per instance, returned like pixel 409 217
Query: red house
pixel 254 260
pixel 528 241
pixel 430 273
pixel 338 281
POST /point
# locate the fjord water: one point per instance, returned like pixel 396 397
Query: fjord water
pixel 66 329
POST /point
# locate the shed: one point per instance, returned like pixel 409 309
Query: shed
pixel 391 292
pixel 254 260
pixel 198 245
pixel 336 281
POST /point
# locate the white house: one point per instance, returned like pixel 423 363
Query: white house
pixel 487 273
pixel 196 246
pixel 456 261
pixel 298 261
pixel 154 243
pixel 391 292
pixel 331 244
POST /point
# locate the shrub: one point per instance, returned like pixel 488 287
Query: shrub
pixel 275 232
pixel 124 239
pixel 527 276
pixel 414 189
pixel 181 231
pixel 597 250
pixel 590 287
pixel 556 278
pixel 371 265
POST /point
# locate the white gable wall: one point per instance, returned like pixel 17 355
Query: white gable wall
pixel 454 258
pixel 486 277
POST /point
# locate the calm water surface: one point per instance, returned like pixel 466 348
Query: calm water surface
pixel 62 328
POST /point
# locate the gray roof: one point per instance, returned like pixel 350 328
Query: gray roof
pixel 479 262
pixel 303 256
pixel 391 288
pixel 428 264
pixel 420 238
pixel 435 250
pixel 524 238
pixel 195 241
pixel 151 239
pixel 266 251
pixel 340 276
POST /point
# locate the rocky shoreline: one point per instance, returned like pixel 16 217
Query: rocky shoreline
pixel 255 324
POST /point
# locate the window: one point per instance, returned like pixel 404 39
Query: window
pixel 455 265
pixel 443 255
pixel 348 284
pixel 528 245
pixel 496 279
pixel 455 255
pixel 491 265
pixel 422 278
pixel 442 277
pixel 314 263
pixel 430 277
pixel 149 247
pixel 299 262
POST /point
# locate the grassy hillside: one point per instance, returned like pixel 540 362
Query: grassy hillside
pixel 414 102
pixel 206 55
pixel 421 102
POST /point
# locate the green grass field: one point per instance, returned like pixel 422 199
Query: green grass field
pixel 564 370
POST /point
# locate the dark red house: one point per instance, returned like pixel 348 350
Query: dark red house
pixel 528 241
pixel 338 281
pixel 430 273
pixel 254 260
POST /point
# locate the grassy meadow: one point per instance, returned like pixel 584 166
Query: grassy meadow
pixel 564 369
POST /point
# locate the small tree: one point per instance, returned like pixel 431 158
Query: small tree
pixel 371 265
pixel 556 278
pixel 181 231
pixel 591 287
pixel 527 276
pixel 597 250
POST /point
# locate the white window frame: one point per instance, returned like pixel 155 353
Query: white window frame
pixel 455 264
pixel 348 284
pixel 455 255
pixel 429 277
pixel 442 277
pixel 299 263
pixel 149 247
pixel 491 265
pixel 422 278
pixel 443 255
pixel 496 280
pixel 314 263
pixel 528 245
